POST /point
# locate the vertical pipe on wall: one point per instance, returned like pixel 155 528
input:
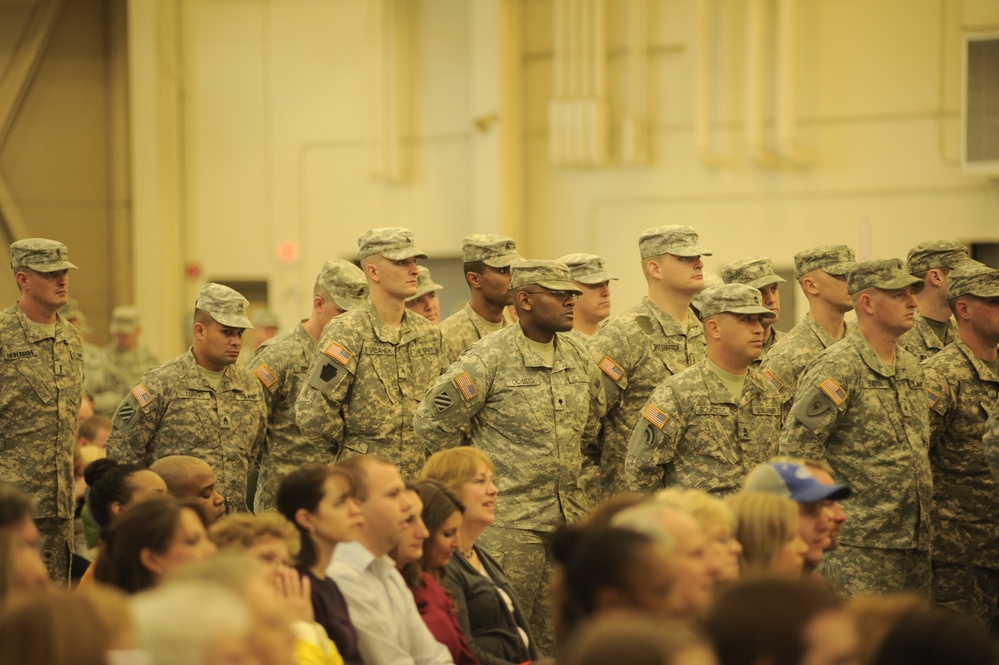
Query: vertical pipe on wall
pixel 755 62
pixel 702 129
pixel 787 124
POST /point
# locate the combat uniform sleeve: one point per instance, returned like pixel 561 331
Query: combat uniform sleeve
pixel 653 442
pixel 818 407
pixel 319 406
pixel 444 414
pixel 940 397
pixel 777 371
pixel 135 423
pixel 990 440
pixel 611 351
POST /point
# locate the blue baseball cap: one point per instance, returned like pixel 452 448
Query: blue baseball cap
pixel 794 482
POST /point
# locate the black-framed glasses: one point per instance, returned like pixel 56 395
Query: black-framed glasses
pixel 564 296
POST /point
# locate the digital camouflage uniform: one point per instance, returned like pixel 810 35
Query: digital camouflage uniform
pixel 101 381
pixel 531 420
pixel 130 365
pixel 758 272
pixel 869 420
pixel 692 432
pixel 39 405
pixel 922 341
pixel 962 391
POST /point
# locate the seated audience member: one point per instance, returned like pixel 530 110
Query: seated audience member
pixel 191 478
pixel 320 501
pixel 422 556
pixel 718 523
pixel 875 616
pixel 609 569
pixel 59 628
pixel 94 431
pixel 16 515
pixel 267 537
pixel 193 623
pixel 823 473
pixel 936 636
pixel 632 638
pixel 780 621
pixel 488 609
pixel 22 570
pixel 767 528
pixel 693 569
pixel 149 540
pixel 814 499
pixel 381 607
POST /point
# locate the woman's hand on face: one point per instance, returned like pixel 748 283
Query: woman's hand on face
pixel 297 591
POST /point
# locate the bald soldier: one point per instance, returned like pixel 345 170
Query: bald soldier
pixel 188 477
pixel 486 259
pixel 200 403
pixel 709 425
pixel 42 376
pixel 375 363
pixel 637 349
pixel 590 275
pixel 758 272
pixel 282 365
pixel 933 327
pixel 861 406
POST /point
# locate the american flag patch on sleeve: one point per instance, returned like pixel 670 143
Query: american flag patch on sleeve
pixel 465 385
pixel 142 395
pixel 265 375
pixel 772 378
pixel 833 390
pixel 656 416
pixel 932 398
pixel 611 368
pixel 338 353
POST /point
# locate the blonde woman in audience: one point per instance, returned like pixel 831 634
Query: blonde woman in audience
pixel 767 528
pixel 487 606
pixel 718 522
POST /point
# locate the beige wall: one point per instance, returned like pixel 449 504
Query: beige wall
pixel 274 123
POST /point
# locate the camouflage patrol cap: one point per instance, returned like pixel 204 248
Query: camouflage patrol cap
pixel 345 283
pixel 494 250
pixel 551 275
pixel 393 242
pixel 674 239
pixel 757 272
pixel 224 304
pixel 834 259
pixel 881 274
pixel 587 268
pixel 733 299
pixel 936 254
pixel 40 255
pixel 265 318
pixel 124 320
pixel 973 279
pixel 424 284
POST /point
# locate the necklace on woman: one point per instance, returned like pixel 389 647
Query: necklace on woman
pixel 469 555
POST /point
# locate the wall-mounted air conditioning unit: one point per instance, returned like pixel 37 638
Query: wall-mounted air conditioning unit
pixel 980 108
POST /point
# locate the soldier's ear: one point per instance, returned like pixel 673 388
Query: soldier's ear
pixel 523 299
pixel 711 328
pixel 808 286
pixel 474 279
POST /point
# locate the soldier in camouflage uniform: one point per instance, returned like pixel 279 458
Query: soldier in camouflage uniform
pixel 758 272
pixel 962 383
pixel 100 379
pixel 487 258
pixel 375 363
pixel 593 307
pixel 128 357
pixel 282 365
pixel 200 403
pixel 861 406
pixel 821 273
pixel 639 348
pixel 933 327
pixel 425 302
pixel 42 377
pixel 531 395
pixel 708 426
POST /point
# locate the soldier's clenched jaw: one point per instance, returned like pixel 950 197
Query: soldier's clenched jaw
pixel 397 278
pixel 216 346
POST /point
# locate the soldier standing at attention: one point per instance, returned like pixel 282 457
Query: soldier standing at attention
pixel 933 327
pixel 529 396
pixel 758 272
pixel 200 403
pixel 282 365
pixel 593 307
pixel 129 358
pixel 42 375
pixel 708 426
pixel 861 407
pixel 487 258
pixel 962 383
pixel 375 363
pixel 821 274
pixel 639 348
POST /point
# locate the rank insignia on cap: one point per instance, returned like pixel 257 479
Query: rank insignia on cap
pixel 338 353
pixel 656 416
pixel 465 385
pixel 265 375
pixel 772 378
pixel 833 390
pixel 142 395
pixel 611 368
pixel 932 398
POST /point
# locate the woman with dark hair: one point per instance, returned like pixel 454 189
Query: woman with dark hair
pixel 319 500
pixel 441 514
pixel 149 540
pixel 114 486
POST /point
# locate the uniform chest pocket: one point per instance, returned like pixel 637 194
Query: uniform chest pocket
pixel 33 373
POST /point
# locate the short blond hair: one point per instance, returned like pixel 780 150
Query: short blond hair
pixel 707 510
pixel 764 524
pixel 242 530
pixel 453 467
